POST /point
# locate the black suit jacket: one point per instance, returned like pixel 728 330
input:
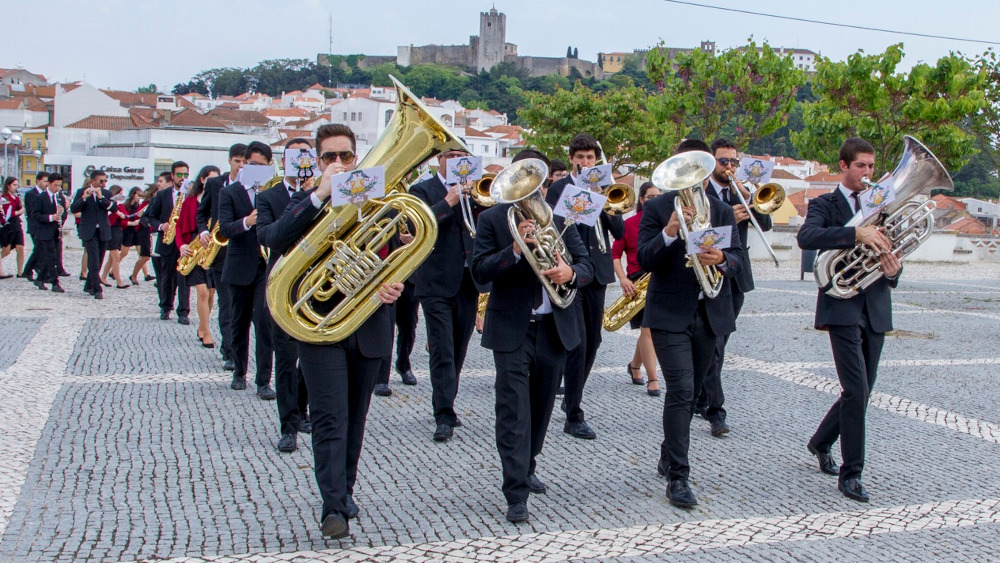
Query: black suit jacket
pixel 243 251
pixel 823 230
pixel 208 207
pixel 29 209
pixel 42 209
pixel 514 283
pixel 612 226
pixel 441 274
pixel 375 334
pixel 672 295
pixel 158 213
pixel 744 281
pixel 93 214
pixel 271 203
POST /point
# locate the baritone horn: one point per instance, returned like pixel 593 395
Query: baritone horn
pixel 327 285
pixel 765 200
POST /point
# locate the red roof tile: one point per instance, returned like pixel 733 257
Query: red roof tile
pixel 104 122
pixel 969 226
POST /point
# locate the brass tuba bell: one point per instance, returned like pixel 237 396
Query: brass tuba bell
pixel 327 285
pixel 621 199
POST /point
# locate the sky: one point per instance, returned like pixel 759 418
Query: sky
pixel 125 44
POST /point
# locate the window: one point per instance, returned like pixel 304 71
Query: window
pixel 353 116
pixel 345 116
pixel 486 149
pixel 359 117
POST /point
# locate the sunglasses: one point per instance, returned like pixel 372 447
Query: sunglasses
pixel 345 157
pixel 182 174
pixel 729 161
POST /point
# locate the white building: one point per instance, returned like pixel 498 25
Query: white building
pixel 202 102
pixel 987 212
pixel 81 102
pixel 23 113
pixel 255 102
pixel 804 59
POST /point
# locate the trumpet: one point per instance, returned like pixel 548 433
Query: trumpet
pixel 765 200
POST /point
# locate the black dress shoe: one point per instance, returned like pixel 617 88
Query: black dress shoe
pixel 306 426
pixel 150 278
pixel 680 494
pixel 719 428
pixel 382 390
pixel 352 508
pixel 580 430
pixel 653 392
pixel 443 433
pixel 105 284
pixel 457 423
pixel 29 276
pixel 183 321
pixel 238 384
pixel 40 285
pixel 230 365
pixel 265 393
pixel 287 443
pixel 56 288
pixel 98 295
pixel 63 274
pixel 517 512
pixel 826 463
pixel 335 526
pixel 83 278
pixel 854 490
pixel 700 410
pixel 6 277
pixel 164 315
pixel 535 485
pixel 408 377
pixel 560 391
pixel 631 373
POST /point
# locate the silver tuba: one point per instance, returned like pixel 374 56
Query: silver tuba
pixel 520 184
pixel 905 222
pixel 685 174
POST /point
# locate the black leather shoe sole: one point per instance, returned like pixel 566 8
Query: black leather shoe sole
pixel 860 496
pixel 335 526
pixel 287 444
pixel 535 485
pixel 443 433
pixel 238 384
pixel 832 469
pixel 517 513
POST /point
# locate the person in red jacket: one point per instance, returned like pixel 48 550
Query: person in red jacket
pixel 116 218
pixel 186 232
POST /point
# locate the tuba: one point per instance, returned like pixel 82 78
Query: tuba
pixel 520 184
pixel 684 173
pixel 625 307
pixel 907 223
pixel 327 285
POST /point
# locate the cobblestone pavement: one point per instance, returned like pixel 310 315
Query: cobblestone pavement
pixel 123 442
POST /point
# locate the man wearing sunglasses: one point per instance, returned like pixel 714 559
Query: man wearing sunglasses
pixel 93 204
pixel 444 286
pixel 721 187
pixel 157 218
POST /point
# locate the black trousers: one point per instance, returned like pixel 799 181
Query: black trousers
pixel 289 386
pixel 156 260
pixel 224 298
pixel 404 311
pixel 684 360
pixel 856 352
pixel 712 396
pixel 581 359
pixel 31 264
pixel 340 381
pixel 59 252
pixel 45 262
pixel 450 321
pixel 249 306
pixel 95 249
pixel 526 384
pixel 169 283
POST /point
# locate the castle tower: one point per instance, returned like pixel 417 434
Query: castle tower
pixel 492 36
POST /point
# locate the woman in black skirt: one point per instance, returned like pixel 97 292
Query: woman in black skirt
pixel 186 232
pixel 116 218
pixel 11 234
pixel 136 234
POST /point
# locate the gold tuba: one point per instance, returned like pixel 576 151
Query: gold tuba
pixel 625 307
pixel 327 285
pixel 685 173
pixel 520 184
pixel 175 213
pixel 906 222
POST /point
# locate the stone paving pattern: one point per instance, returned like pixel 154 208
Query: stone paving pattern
pixel 127 444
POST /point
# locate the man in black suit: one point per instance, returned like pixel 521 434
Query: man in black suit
pixel 93 204
pixel 41 186
pixel 529 337
pixel 857 326
pixel 246 273
pixel 447 293
pixel 163 182
pixel 290 387
pixel 157 218
pixel 684 322
pixel 710 401
pixel 47 217
pixel 584 152
pixel 340 376
pixel 207 218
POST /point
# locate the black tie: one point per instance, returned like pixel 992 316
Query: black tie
pixel 857 202
pixel 724 195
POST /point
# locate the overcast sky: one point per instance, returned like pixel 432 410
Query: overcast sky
pixel 125 44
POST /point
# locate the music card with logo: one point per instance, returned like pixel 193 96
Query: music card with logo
pixel 875 199
pixel 357 186
pixel 463 169
pixel 255 175
pixel 595 177
pixel 579 205
pixel 301 163
pixel 186 185
pixel 755 170
pixel 713 237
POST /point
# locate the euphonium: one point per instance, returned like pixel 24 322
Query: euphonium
pixel 625 307
pixel 520 184
pixel 215 243
pixel 175 213
pixel 685 173
pixel 327 285
pixel 905 222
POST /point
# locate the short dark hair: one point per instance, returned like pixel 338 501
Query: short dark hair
pixel 689 145
pixel 41 176
pixel 178 164
pixel 722 143
pixel 557 165
pixel 259 148
pixel 116 189
pixel 55 177
pixel 168 175
pixel 97 174
pixel 584 142
pixel 854 146
pixel 298 141
pixel 645 187
pixel 531 153
pixel 336 130
pixel 239 149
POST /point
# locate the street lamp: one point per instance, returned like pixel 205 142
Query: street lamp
pixel 8 138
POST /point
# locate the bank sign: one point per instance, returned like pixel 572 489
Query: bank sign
pixel 126 172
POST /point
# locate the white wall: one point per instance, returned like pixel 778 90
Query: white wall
pixel 82 102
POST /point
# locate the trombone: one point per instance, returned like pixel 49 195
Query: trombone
pixel 765 200
pixel 479 192
pixel 621 200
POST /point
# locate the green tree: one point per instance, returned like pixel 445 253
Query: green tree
pixel 978 178
pixel 151 89
pixel 866 97
pixel 987 126
pixel 619 119
pixel 742 93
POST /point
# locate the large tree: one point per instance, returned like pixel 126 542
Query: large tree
pixel 866 96
pixel 744 93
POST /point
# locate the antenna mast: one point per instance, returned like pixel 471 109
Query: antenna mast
pixel 330 53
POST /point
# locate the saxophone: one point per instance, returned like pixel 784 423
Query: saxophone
pixel 625 307
pixel 171 232
pixel 215 244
